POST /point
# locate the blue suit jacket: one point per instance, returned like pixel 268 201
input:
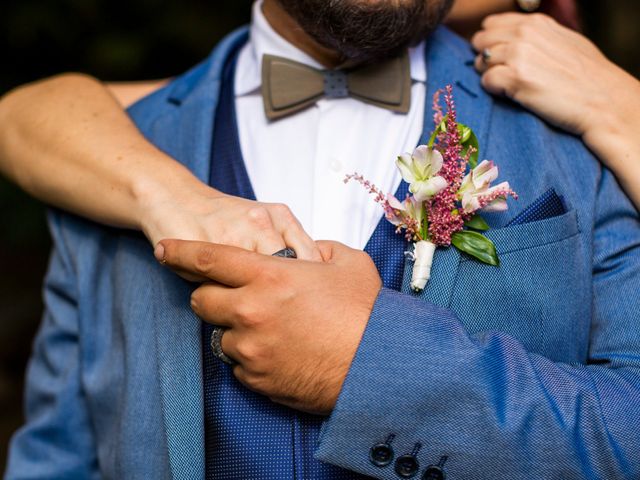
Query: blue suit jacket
pixel 529 369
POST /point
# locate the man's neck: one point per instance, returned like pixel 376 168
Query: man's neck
pixel 286 26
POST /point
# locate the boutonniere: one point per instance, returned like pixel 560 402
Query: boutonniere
pixel 448 187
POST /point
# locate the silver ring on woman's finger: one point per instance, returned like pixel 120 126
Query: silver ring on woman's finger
pixel 486 55
pixel 216 345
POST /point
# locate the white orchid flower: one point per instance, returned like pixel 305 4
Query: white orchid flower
pixel 420 171
pixel 479 179
pixel 476 194
pixel 492 199
pixel 410 208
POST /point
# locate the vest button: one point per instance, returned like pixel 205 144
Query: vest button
pixel 407 466
pixel 433 472
pixel 381 454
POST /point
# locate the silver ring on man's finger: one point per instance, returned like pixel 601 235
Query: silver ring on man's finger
pixel 486 55
pixel 285 253
pixel 216 345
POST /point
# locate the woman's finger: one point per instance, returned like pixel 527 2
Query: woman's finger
pixel 268 242
pixel 500 80
pixel 507 19
pixel 490 57
pixel 305 248
pixel 488 38
pixel 259 228
pixel 294 236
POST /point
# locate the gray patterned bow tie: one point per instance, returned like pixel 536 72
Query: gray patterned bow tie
pixel 289 87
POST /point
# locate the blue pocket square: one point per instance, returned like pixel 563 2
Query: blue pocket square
pixel 547 205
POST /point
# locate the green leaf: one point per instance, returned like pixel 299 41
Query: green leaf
pixel 465 132
pixel 432 139
pixel 476 245
pixel 441 128
pixel 469 139
pixel 477 223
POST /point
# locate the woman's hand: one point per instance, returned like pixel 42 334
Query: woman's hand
pixel 67 141
pixel 552 70
pixel 562 77
pixel 190 210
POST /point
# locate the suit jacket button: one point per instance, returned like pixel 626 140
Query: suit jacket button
pixel 407 466
pixel 381 454
pixel 433 472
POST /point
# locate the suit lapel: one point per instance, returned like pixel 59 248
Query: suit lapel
pixel 186 134
pixel 449 60
pixel 180 368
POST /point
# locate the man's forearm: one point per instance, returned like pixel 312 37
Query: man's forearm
pixel 67 141
pixel 422 384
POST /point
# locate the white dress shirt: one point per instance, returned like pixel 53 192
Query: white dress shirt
pixel 301 160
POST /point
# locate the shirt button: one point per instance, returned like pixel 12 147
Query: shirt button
pixel 335 165
pixel 407 466
pixel 381 454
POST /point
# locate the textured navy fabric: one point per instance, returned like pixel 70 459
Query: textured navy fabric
pixel 247 435
pixel 548 205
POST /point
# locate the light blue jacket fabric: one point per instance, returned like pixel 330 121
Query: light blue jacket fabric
pixel 529 370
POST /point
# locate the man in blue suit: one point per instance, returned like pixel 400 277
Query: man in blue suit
pixel 528 369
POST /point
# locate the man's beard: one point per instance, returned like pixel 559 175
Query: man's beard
pixel 367 30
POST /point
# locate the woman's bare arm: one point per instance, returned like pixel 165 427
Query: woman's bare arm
pixel 128 93
pixel 67 141
pixel 64 140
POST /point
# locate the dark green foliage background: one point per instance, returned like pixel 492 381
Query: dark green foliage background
pixel 134 40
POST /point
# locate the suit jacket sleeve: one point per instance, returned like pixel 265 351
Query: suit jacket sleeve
pixel 57 439
pixel 494 409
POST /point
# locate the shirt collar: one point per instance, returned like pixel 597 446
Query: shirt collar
pixel 263 39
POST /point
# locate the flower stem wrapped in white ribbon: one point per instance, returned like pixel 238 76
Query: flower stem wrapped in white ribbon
pixel 423 259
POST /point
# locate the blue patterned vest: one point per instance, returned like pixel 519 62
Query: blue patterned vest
pixel 246 435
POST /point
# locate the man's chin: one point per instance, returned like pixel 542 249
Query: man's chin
pixel 367 31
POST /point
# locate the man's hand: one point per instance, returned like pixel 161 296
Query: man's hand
pixel 293 325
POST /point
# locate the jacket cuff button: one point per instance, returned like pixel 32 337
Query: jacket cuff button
pixel 407 466
pixel 433 472
pixel 381 454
